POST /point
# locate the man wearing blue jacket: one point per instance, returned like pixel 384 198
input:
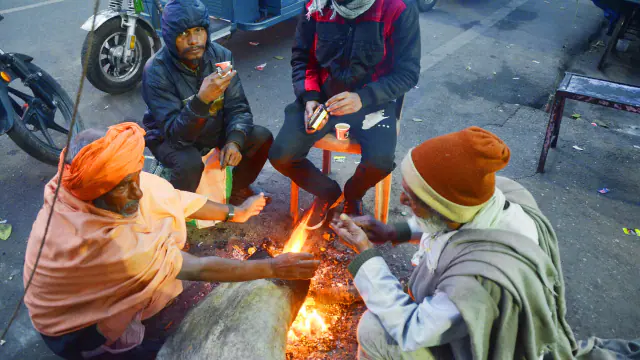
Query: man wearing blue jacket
pixel 194 105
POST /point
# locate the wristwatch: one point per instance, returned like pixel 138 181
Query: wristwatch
pixel 230 214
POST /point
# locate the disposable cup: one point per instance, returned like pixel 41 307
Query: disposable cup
pixel 342 131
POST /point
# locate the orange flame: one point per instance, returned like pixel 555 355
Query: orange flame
pixel 307 323
pixel 298 237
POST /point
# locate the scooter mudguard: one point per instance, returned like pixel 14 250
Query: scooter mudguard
pixel 6 110
pixel 101 18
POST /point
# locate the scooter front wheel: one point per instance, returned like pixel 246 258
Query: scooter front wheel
pixel 106 69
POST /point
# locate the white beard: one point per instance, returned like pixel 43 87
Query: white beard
pixel 432 226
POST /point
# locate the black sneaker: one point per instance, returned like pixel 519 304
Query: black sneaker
pixel 320 210
pixel 353 208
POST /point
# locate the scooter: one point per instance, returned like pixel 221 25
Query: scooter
pixel 121 44
pixel 36 112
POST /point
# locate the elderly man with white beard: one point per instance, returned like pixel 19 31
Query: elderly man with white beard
pixel 487 282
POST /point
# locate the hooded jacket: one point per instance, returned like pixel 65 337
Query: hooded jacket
pixel 174 112
pixel 376 55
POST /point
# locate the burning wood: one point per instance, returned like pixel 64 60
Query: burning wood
pixel 326 320
pixel 230 322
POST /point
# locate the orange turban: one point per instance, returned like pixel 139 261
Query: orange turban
pixel 102 165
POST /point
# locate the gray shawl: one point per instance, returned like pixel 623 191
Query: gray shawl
pixel 509 291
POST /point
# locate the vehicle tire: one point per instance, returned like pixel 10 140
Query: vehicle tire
pixel 27 140
pixel 426 5
pixel 101 71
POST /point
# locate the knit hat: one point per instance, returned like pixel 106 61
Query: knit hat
pixel 455 173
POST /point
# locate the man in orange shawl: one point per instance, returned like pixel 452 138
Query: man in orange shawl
pixel 113 255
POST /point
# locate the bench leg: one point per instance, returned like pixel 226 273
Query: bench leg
pixel 383 197
pixel 293 203
pixel 553 129
pixel 326 162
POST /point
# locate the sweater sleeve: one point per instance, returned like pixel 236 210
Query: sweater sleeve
pixel 432 322
pixel 305 67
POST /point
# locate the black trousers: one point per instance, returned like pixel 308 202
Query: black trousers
pixel 187 167
pixel 70 346
pixel 291 147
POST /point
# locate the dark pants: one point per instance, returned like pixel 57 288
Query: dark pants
pixel 291 147
pixel 186 162
pixel 70 346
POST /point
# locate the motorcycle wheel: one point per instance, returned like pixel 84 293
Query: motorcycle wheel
pixel 27 132
pixel 426 5
pixel 105 69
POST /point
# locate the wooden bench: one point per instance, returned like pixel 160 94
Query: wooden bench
pixel 590 90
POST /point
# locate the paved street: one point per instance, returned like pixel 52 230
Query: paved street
pixel 491 63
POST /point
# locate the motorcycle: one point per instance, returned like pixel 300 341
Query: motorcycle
pixel 36 112
pixel 121 44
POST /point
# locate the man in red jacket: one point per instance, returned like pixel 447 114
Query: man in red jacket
pixel 356 57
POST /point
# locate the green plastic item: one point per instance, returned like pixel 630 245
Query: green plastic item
pixel 138 6
pixel 5 231
pixel 229 185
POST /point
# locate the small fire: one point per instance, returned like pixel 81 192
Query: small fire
pixel 298 237
pixel 307 323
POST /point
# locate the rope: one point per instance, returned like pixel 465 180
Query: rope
pixel 85 62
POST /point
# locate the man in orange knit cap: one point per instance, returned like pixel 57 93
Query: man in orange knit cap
pixel 113 255
pixel 487 281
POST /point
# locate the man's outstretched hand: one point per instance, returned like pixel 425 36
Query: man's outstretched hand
pixel 351 234
pixel 230 155
pixel 251 207
pixel 377 231
pixel 344 104
pixel 293 266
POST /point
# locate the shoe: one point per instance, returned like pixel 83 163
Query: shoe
pixel 353 208
pixel 320 210
pixel 240 196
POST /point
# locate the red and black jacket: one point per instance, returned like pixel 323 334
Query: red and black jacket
pixel 376 55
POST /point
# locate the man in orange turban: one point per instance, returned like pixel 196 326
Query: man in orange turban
pixel 487 282
pixel 113 255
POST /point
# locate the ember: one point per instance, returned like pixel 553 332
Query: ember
pixel 308 322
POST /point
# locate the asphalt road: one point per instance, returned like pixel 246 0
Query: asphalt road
pixel 487 62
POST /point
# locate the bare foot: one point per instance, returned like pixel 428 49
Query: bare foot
pixel 251 207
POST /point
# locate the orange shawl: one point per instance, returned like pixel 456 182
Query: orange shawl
pixel 99 267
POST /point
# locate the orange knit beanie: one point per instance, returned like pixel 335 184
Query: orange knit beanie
pixel 455 173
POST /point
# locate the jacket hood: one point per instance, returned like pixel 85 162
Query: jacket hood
pixel 180 15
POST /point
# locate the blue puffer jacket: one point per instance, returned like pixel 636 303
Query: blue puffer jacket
pixel 174 113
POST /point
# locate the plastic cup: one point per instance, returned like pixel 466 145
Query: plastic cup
pixel 342 131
